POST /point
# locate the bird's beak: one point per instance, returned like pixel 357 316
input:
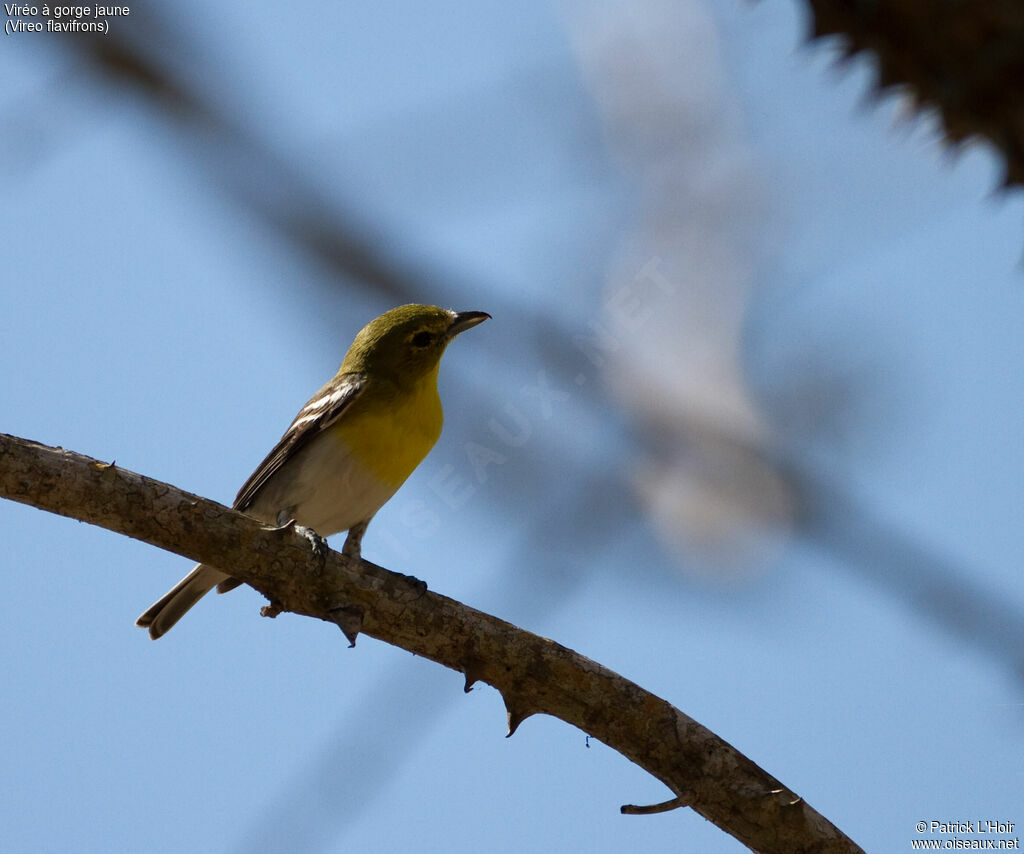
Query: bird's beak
pixel 463 320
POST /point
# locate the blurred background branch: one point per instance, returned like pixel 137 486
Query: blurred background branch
pixel 965 60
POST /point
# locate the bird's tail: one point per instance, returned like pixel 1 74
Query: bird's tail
pixel 172 606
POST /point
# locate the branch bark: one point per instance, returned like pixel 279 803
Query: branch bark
pixel 533 674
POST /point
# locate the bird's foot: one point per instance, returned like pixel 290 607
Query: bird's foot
pixel 316 542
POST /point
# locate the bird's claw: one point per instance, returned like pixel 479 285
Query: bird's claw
pixel 316 542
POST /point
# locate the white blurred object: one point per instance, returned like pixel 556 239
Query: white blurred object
pixel 675 299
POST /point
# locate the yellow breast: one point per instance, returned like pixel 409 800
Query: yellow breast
pixel 391 435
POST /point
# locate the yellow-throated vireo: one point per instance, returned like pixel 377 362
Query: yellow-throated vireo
pixel 349 448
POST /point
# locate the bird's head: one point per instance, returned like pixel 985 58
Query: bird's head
pixel 406 343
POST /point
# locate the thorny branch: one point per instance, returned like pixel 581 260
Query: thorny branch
pixel 534 675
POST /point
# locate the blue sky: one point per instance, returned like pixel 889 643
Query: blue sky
pixel 151 319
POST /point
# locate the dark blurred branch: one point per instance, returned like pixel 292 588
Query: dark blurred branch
pixel 965 59
pixel 534 675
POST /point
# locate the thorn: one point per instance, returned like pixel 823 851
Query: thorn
pixel 514 720
pixel 474 670
pixel 515 717
pixel 348 618
pixel 683 800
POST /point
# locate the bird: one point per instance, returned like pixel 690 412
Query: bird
pixel 350 447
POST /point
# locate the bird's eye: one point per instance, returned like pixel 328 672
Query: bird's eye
pixel 422 339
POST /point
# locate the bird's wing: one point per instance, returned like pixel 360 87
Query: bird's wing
pixel 322 410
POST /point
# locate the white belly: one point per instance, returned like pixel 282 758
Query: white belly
pixel 322 488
